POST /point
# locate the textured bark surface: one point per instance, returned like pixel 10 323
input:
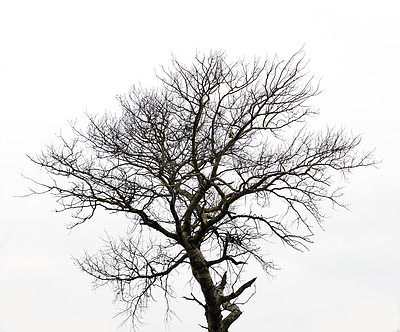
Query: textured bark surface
pixel 202 274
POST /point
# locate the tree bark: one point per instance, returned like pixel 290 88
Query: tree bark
pixel 202 274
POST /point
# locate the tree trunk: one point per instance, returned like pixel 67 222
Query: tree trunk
pixel 201 273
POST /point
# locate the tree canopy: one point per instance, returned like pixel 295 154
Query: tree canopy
pixel 206 167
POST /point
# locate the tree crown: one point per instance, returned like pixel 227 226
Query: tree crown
pixel 203 163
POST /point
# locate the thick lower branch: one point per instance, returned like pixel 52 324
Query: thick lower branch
pixel 233 308
pixel 235 294
pixel 233 316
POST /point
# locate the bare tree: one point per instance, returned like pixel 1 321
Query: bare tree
pixel 206 167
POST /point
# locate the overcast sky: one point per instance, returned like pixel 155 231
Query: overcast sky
pixel 59 59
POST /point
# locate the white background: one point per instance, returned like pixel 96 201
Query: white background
pixel 61 58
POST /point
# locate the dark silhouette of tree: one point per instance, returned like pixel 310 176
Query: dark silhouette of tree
pixel 207 166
